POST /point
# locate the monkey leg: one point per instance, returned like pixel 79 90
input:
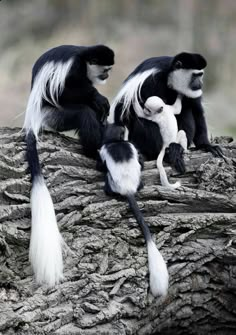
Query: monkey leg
pixel 141 185
pixel 182 139
pixel 82 119
pixel 107 188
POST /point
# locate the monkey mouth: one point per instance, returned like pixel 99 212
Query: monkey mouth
pixel 147 112
pixel 196 84
pixel 103 76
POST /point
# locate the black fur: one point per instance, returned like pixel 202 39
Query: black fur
pixel 81 54
pixel 145 134
pixel 120 151
pixel 82 107
pixel 189 61
pixel 32 156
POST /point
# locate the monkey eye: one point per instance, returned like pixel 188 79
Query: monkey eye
pixel 93 61
pixel 198 74
pixel 160 110
pixel 178 64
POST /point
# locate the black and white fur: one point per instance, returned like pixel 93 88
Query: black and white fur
pixel 62 97
pixel 164 77
pixel 164 115
pixel 123 177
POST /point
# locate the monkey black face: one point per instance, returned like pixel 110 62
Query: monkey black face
pixel 196 80
pixel 186 74
pixel 114 133
pixel 98 74
pixel 99 60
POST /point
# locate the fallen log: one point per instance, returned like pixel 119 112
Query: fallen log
pixel 105 289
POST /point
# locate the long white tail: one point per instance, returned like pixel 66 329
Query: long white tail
pixel 46 242
pixel 158 274
pixel 163 176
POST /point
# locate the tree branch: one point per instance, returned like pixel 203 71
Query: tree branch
pixel 105 290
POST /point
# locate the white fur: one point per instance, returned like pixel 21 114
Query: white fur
pixel 54 75
pixel 46 242
pixel 94 71
pixel 182 140
pixel 129 94
pixel 166 119
pixel 162 172
pixel 168 128
pixel 126 135
pixel 180 79
pixel 158 274
pixel 124 177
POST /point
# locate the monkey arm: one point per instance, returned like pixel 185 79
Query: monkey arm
pixel 100 104
pixel 200 139
pixel 101 165
pixel 177 107
pixel 85 94
pixel 141 160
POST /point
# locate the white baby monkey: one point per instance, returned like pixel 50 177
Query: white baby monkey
pixel 164 115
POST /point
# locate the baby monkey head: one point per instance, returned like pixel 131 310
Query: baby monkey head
pixel 153 105
pixel 113 133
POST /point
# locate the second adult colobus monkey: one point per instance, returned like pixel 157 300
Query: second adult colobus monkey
pixel 62 97
pixel 164 77
pixel 164 115
pixel 124 177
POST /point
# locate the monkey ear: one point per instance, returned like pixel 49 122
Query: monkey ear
pixel 178 65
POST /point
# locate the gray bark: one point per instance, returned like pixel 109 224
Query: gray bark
pixel 105 289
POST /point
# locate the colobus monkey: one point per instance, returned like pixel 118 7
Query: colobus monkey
pixel 63 98
pixel 123 176
pixel 164 77
pixel 164 115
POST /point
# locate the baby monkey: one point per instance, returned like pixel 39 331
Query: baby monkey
pixel 164 115
pixel 123 176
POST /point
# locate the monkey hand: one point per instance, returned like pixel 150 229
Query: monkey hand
pixel 101 106
pixel 174 156
pixel 214 149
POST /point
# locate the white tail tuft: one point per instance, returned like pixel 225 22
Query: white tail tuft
pixel 46 242
pixel 158 274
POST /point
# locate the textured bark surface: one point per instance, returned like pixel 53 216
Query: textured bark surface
pixel 105 289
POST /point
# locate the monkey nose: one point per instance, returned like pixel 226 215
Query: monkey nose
pixel 104 76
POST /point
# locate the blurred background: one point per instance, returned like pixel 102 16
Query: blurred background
pixel 136 30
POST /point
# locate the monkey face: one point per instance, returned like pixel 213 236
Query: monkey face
pixel 98 74
pixel 153 105
pixel 187 82
pixel 186 75
pixel 196 80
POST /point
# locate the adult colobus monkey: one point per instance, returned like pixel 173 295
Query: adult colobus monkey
pixel 164 115
pixel 63 98
pixel 123 177
pixel 164 77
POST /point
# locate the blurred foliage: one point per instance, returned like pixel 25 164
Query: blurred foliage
pixel 135 29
